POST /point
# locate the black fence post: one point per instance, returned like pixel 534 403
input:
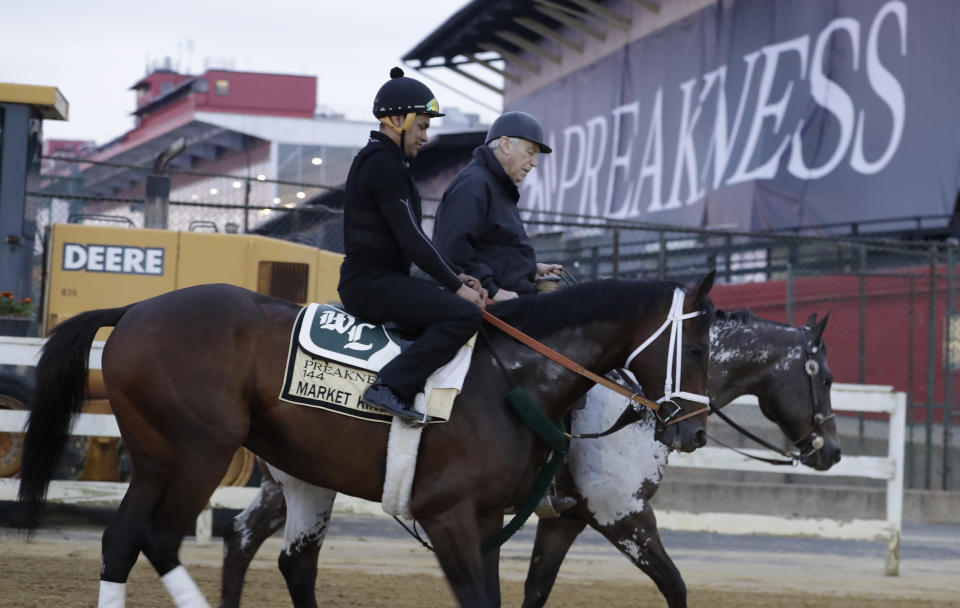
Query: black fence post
pixel 862 370
pixel 911 379
pixel 948 369
pixel 616 253
pixel 246 206
pixel 728 243
pixel 931 354
pixel 662 256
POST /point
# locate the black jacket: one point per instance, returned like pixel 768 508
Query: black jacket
pixel 479 228
pixel 381 219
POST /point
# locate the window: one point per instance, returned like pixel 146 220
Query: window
pixel 166 86
pixel 285 280
pixel 201 86
pixel 222 87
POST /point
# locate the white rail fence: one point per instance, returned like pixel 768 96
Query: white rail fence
pixel 844 397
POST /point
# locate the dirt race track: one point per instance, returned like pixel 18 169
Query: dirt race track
pixel 366 563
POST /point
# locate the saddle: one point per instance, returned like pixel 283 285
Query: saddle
pixel 334 357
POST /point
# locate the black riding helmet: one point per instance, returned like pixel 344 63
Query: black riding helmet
pixel 518 124
pixel 403 95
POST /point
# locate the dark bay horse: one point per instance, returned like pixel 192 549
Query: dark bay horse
pixel 785 367
pixel 194 374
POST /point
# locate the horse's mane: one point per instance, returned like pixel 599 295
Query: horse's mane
pixel 743 316
pixel 603 300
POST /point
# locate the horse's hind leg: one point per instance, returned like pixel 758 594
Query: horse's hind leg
pixel 637 537
pixel 248 530
pixel 185 494
pixel 308 518
pixel 121 542
pixel 554 538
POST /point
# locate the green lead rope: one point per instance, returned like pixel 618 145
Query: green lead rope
pixel 551 433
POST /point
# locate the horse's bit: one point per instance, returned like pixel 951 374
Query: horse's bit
pixel 674 320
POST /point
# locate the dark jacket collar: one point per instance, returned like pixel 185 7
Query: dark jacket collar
pixel 388 144
pixel 484 156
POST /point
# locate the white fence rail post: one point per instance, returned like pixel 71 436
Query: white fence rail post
pixel 845 398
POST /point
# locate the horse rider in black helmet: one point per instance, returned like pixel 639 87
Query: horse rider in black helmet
pixel 382 236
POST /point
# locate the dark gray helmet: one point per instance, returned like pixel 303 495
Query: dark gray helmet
pixel 518 124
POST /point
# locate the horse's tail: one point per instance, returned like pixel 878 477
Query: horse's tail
pixel 61 379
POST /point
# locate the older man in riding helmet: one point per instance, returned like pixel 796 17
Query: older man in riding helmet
pixel 479 227
pixel 382 237
pixel 478 223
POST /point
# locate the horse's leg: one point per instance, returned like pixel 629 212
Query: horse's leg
pixel 637 537
pixel 120 545
pixel 308 517
pixel 248 530
pixel 554 538
pixel 185 494
pixel 456 535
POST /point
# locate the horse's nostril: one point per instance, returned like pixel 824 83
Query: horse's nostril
pixel 700 438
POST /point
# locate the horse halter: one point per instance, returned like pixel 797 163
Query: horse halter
pixel 812 368
pixel 674 321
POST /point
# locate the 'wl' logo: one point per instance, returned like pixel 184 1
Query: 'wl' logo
pixel 342 323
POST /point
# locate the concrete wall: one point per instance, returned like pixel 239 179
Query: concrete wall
pixel 841 502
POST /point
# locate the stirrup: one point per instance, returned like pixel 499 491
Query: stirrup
pixel 550 506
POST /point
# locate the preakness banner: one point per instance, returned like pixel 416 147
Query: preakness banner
pixel 757 114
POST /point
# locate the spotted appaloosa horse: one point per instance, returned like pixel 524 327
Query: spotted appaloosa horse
pixel 195 373
pixel 614 477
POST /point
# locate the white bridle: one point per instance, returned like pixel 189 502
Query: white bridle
pixel 674 320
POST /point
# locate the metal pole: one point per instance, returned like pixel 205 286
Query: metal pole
pixel 911 405
pixel 662 257
pixel 789 286
pixel 948 371
pixel 729 246
pixel 246 207
pixel 862 373
pixel 156 205
pixel 931 354
pixel 616 253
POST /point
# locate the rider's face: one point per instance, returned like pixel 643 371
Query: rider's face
pixel 518 158
pixel 417 135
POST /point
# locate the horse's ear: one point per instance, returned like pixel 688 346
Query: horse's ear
pixel 702 287
pixel 811 320
pixel 816 331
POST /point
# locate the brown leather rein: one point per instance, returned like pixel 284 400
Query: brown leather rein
pixel 576 368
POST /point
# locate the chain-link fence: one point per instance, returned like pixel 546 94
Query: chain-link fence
pixel 892 305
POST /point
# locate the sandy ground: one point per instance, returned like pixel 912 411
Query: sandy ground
pixel 362 565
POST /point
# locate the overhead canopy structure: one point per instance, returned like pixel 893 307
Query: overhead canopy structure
pixel 519 32
pixel 122 171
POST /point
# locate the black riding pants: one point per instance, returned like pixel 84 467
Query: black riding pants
pixel 447 319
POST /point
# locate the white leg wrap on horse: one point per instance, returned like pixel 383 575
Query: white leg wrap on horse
pixel 183 590
pixel 112 595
